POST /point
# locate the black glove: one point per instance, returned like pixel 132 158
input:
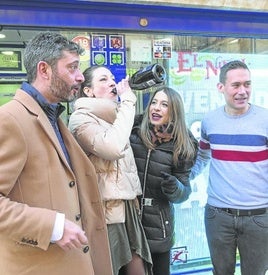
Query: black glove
pixel 173 189
pixel 169 184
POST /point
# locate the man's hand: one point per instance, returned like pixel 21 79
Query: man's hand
pixel 73 237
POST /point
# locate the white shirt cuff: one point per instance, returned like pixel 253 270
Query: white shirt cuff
pixel 58 228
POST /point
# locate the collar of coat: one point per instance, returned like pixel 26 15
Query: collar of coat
pixel 103 108
pixel 52 111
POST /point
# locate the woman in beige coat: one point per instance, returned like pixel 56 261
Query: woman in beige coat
pixel 102 127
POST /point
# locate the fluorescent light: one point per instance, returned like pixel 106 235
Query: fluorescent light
pixel 233 41
pixel 7 52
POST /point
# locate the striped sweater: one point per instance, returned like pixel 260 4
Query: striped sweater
pixel 237 149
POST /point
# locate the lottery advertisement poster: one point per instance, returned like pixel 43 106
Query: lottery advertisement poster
pixel 110 51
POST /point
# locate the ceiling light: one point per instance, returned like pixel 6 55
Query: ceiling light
pixel 2 35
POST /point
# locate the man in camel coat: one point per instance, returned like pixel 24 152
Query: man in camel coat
pixel 51 217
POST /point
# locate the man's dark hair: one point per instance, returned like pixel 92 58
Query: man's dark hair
pixel 49 47
pixel 232 65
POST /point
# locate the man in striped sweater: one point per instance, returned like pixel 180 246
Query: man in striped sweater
pixel 234 141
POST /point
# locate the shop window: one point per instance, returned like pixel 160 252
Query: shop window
pixel 192 64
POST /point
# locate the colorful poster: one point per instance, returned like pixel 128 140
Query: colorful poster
pixel 110 51
pixel 195 76
pixel 84 42
pixel 162 48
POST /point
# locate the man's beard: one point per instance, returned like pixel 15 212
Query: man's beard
pixel 60 89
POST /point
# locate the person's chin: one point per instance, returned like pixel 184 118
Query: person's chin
pixel 113 97
pixel 156 123
pixel 71 97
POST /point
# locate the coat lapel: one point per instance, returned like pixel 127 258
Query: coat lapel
pixel 33 107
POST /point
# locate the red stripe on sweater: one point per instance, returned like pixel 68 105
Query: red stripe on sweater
pixel 240 156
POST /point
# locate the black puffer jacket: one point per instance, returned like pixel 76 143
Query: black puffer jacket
pixel 156 207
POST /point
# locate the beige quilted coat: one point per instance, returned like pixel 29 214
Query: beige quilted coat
pixel 102 128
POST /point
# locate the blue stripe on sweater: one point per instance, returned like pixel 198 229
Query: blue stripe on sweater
pixel 242 140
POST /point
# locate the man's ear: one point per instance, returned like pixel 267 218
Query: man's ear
pixel 43 69
pixel 220 87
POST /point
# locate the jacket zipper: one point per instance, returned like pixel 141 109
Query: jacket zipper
pixel 163 225
pixel 143 192
pixel 144 179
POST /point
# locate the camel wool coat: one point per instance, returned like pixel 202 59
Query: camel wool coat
pixel 36 182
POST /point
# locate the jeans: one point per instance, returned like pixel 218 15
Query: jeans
pixel 227 233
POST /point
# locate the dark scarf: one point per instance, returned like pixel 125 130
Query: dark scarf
pixel 160 133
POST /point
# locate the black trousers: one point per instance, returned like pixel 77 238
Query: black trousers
pixel 161 263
